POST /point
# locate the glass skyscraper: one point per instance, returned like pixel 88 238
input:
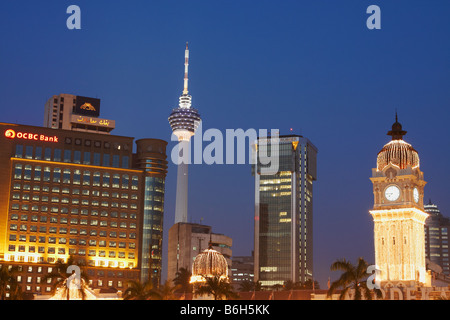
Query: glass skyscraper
pixel 284 211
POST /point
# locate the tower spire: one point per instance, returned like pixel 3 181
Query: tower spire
pixel 185 98
pixel 186 66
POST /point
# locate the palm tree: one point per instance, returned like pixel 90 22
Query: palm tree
pixel 182 281
pixel 290 285
pixel 167 291
pixel 218 287
pixel 141 291
pixel 308 285
pixel 61 275
pixel 353 277
pixel 8 283
pixel 247 286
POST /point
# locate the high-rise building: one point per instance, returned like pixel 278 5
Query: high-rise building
pixel 70 112
pixel 398 212
pixel 183 120
pixel 187 240
pixel 242 271
pixel 82 194
pixel 436 237
pixel 284 211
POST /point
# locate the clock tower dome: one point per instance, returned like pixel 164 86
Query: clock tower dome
pixel 398 213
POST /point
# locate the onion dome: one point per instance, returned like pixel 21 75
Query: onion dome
pixel 397 152
pixel 208 264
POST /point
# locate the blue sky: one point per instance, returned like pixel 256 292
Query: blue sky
pixel 308 65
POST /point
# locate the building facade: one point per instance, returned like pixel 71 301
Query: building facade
pixel 187 240
pixel 242 271
pixel 82 194
pixel 71 112
pixel 436 237
pixel 398 212
pixel 284 211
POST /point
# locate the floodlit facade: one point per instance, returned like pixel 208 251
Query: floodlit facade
pixel 284 212
pixel 83 194
pixel 398 212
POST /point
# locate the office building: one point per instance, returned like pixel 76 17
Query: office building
pixel 436 237
pixel 70 112
pixel 242 271
pixel 82 194
pixel 284 211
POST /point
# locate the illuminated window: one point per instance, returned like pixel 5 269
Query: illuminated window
pixel 57 155
pixel 29 152
pixel 87 158
pixel 27 172
pixel 19 151
pixel 67 155
pixel 86 178
pixel 77 156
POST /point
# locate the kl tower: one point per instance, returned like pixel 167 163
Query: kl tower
pixel 183 120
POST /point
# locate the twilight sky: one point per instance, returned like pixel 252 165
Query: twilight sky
pixel 312 66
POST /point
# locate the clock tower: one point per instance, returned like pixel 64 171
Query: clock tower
pixel 398 213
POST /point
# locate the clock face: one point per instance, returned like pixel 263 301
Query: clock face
pixel 392 193
pixel 416 195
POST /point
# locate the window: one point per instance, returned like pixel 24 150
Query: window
pixel 19 151
pixel 47 154
pixel 76 176
pixel 106 159
pixel 116 181
pixel 57 155
pixel 18 171
pixel 67 156
pixel 46 174
pixel 57 175
pixel 96 159
pixel 125 181
pixel 77 156
pixel 86 178
pixel 87 158
pixel 27 172
pixel 37 173
pixel 105 181
pixel 125 162
pixel 29 152
pixel 115 162
pixel 96 179
pixel 38 154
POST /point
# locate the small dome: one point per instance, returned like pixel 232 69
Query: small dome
pixel 398 153
pixel 209 263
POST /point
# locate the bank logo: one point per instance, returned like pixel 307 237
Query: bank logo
pixel 10 134
pixel 87 106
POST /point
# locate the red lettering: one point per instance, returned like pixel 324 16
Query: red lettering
pixel 29 136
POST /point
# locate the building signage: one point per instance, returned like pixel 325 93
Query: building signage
pixel 11 134
pixel 93 121
pixel 87 106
